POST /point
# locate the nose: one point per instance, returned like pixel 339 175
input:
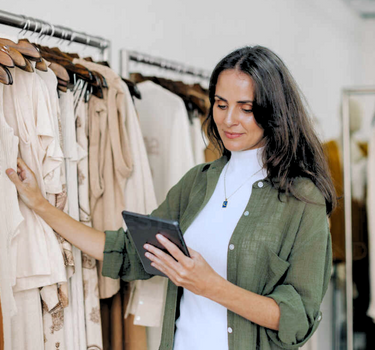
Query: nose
pixel 231 118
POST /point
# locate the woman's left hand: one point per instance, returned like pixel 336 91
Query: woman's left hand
pixel 193 273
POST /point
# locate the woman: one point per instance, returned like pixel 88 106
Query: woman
pixel 255 220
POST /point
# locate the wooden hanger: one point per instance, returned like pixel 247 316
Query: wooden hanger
pixel 133 88
pixel 23 46
pixel 60 72
pixel 78 69
pixel 28 68
pixel 42 65
pixel 16 56
pixel 6 60
pixel 57 51
pixel 4 76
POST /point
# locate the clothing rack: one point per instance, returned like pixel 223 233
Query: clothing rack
pixel 127 56
pixel 346 93
pixel 44 28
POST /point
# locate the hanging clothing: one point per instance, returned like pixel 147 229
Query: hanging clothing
pixel 72 152
pixel 371 220
pixel 202 323
pixel 10 218
pixel 165 128
pixel 55 297
pixel 27 324
pixel 198 138
pixel 36 253
pixel 144 299
pixel 1 328
pixel 337 219
pixel 89 271
pixel 110 162
pixel 35 250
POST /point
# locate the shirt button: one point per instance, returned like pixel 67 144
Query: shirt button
pixel 260 184
pixel 231 246
pixel 230 330
pixel 141 302
pixel 138 318
pixel 320 317
pixel 246 213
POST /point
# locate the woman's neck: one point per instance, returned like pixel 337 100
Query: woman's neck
pixel 245 162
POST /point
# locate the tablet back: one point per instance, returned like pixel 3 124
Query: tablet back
pixel 142 229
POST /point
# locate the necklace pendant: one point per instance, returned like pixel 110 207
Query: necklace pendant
pixel 225 203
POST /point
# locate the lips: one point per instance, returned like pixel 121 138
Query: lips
pixel 231 135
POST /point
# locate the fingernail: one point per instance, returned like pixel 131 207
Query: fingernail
pixel 145 246
pixel 160 236
pixel 9 171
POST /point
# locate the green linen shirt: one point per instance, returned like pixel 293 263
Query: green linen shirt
pixel 282 250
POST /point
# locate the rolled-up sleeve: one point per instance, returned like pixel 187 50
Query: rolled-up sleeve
pixel 301 293
pixel 121 258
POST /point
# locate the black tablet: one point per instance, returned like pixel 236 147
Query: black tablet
pixel 143 229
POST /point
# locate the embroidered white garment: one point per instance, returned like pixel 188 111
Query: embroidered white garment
pixel 10 218
pixel 75 310
pixel 89 271
pixel 202 323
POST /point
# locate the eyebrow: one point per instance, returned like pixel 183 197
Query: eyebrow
pixel 223 99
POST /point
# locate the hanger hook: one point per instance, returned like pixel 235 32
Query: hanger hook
pixel 36 26
pixel 72 36
pixel 62 36
pixel 52 31
pixel 40 33
pixel 25 27
pixel 46 24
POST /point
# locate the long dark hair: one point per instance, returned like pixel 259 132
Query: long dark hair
pixel 292 148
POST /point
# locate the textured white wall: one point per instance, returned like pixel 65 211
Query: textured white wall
pixel 325 45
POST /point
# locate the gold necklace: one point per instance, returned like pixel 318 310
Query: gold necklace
pixel 225 203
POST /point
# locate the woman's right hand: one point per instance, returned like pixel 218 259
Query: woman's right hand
pixel 27 186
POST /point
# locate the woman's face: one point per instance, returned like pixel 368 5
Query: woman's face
pixel 233 114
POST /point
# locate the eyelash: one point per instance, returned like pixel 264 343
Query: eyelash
pixel 245 110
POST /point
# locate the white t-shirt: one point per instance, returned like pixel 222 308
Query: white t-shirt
pixel 202 323
pixel 166 132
